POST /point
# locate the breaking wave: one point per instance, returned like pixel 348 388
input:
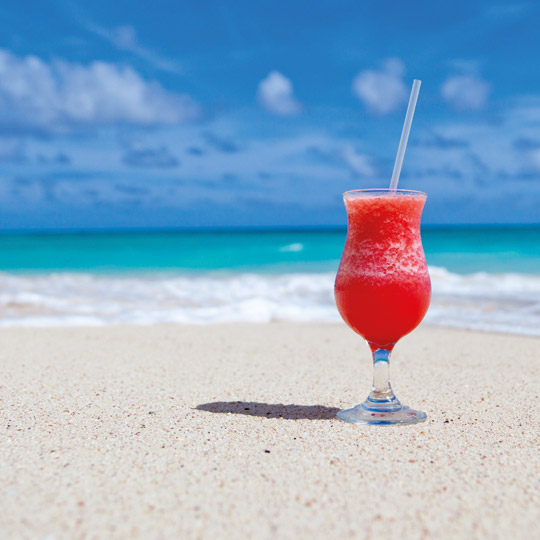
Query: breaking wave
pixel 492 302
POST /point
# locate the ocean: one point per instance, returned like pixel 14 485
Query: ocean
pixel 485 278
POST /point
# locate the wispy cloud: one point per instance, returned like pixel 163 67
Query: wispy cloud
pixel 139 156
pixel 382 91
pixel 49 191
pixel 124 38
pixel 222 144
pixel 507 11
pixel 467 154
pixel 276 94
pixel 58 96
pixel 359 164
pixel 60 158
pixel 466 91
pixel 339 153
pixel 436 140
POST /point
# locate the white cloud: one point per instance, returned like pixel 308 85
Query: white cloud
pixel 58 96
pixel 382 91
pixel 521 125
pixel 360 164
pixel 465 92
pixel 124 38
pixel 276 94
pixel 500 158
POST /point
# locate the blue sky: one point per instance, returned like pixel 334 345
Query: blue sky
pixel 208 114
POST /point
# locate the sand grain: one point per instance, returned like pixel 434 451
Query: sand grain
pixel 228 432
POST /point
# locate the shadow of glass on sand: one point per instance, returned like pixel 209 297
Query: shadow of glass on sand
pixel 271 410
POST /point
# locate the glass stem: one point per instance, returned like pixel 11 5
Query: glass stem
pixel 381 394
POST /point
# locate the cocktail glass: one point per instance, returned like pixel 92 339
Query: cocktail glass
pixel 383 289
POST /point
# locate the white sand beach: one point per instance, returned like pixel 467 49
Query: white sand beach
pixel 229 431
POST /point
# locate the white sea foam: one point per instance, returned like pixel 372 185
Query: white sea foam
pixel 504 302
pixel 297 246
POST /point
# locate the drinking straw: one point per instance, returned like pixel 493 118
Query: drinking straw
pixel 405 133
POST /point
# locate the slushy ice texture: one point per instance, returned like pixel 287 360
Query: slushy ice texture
pixel 382 287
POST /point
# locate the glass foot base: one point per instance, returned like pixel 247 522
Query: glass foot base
pixel 368 414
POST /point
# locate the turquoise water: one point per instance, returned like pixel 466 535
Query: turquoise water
pixel 482 278
pixel 461 250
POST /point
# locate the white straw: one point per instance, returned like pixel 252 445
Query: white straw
pixel 405 134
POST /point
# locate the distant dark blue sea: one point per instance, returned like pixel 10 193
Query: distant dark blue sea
pixel 483 277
